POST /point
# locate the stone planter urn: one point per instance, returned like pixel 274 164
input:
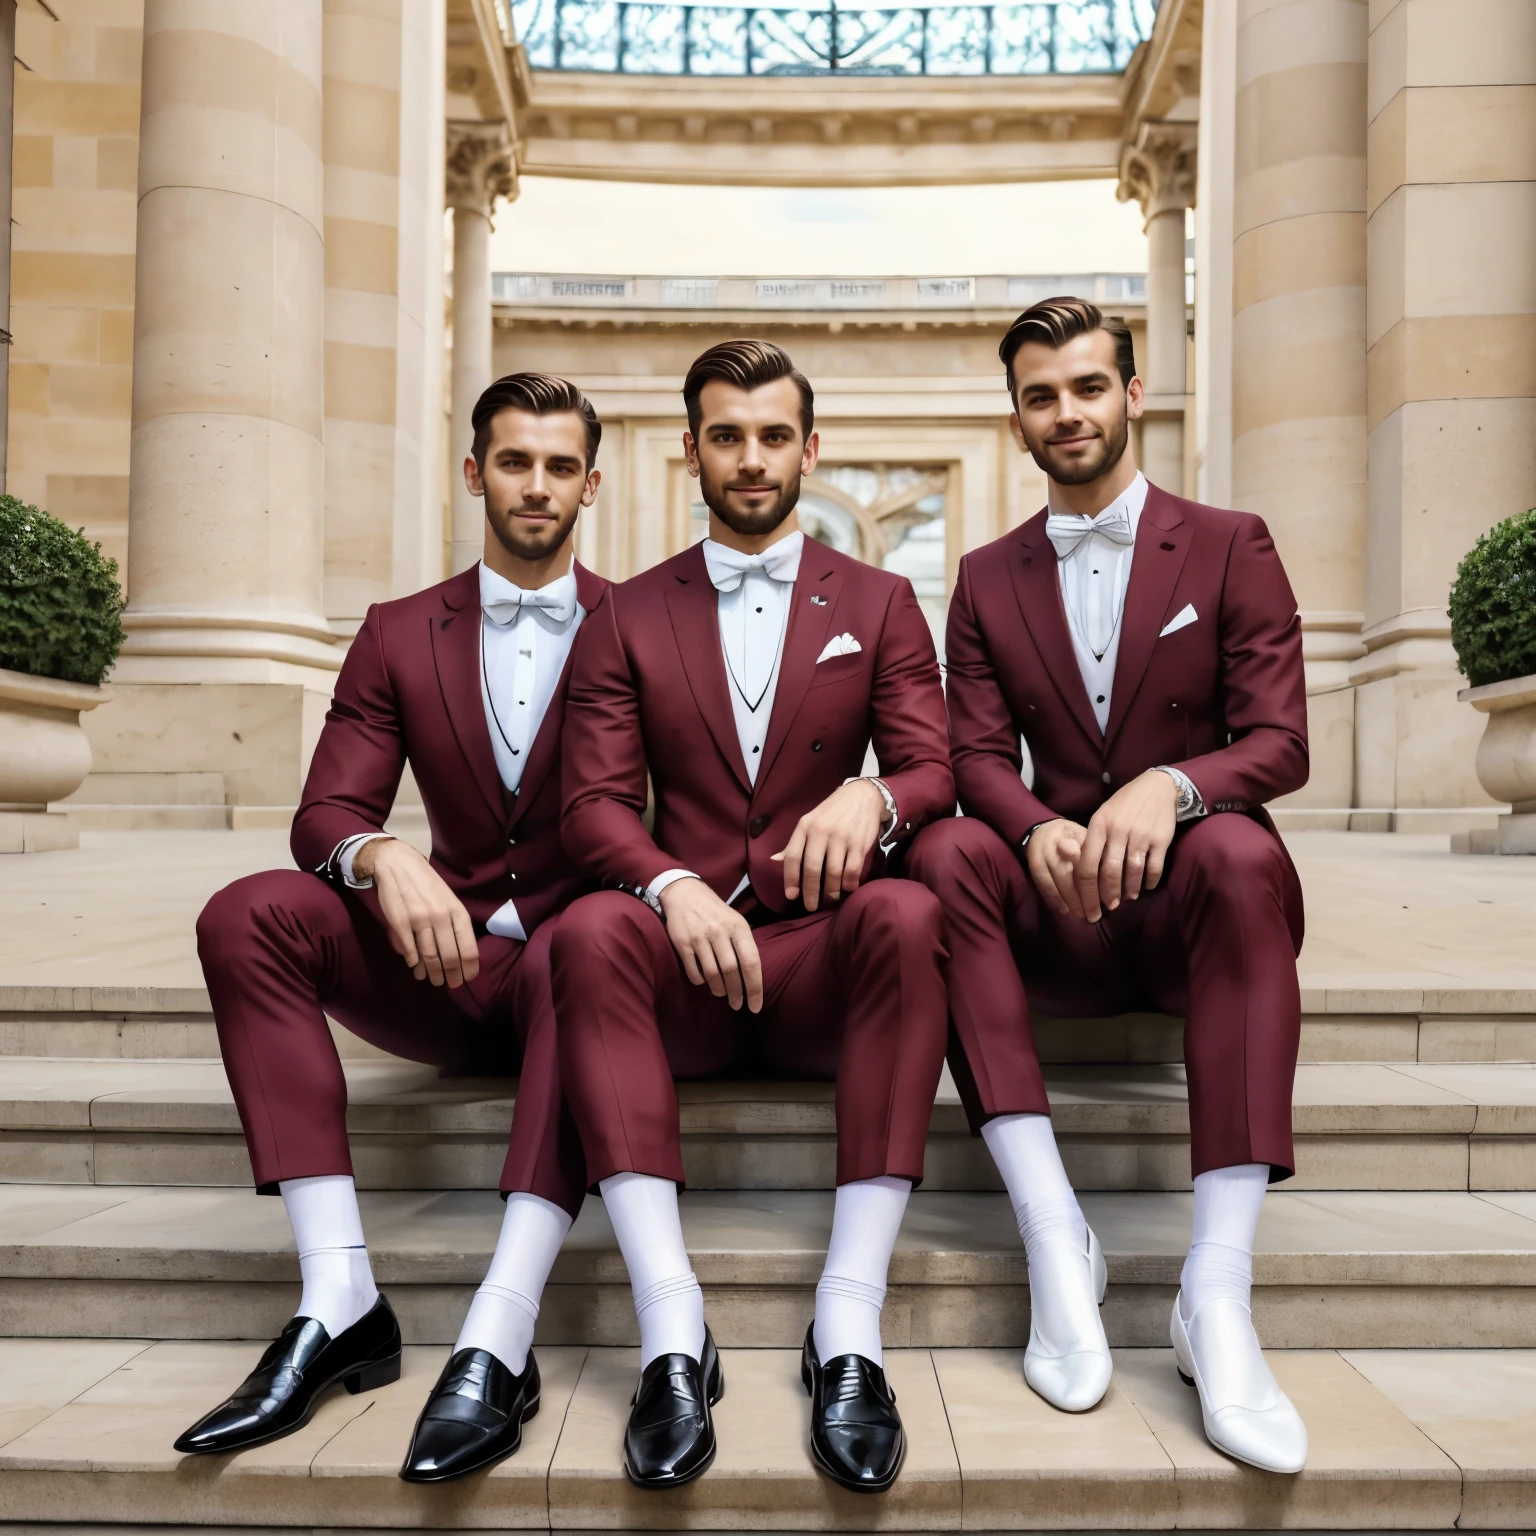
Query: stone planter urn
pixel 1506 756
pixel 44 756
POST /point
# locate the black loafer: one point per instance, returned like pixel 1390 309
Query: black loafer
pixel 856 1433
pixel 473 1418
pixel 298 1368
pixel 670 1439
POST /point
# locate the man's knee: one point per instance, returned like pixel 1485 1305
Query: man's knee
pixel 958 854
pixel 1232 856
pixel 248 905
pixel 597 927
pixel 895 912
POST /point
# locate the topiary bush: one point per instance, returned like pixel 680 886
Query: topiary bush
pixel 1493 604
pixel 59 598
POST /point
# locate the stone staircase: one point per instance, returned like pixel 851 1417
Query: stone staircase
pixel 1395 1283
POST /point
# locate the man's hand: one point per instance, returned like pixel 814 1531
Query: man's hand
pixel 428 926
pixel 1052 855
pixel 714 942
pixel 826 852
pixel 1127 841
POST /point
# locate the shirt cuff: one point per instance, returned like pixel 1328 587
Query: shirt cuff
pixel 651 894
pixel 1191 805
pixel 346 851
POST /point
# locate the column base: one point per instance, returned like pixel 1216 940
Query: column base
pixel 39 831
pixel 1515 834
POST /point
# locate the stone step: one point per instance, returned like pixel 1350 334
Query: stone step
pixel 1359 1126
pixel 1372 1021
pixel 1333 1270
pixel 1399 1439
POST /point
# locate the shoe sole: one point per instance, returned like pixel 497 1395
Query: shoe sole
pixel 367 1378
pixel 531 1411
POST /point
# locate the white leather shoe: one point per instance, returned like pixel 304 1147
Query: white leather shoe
pixel 1067 1361
pixel 1245 1412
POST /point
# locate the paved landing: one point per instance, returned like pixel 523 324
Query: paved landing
pixel 1425 1440
pixel 1388 914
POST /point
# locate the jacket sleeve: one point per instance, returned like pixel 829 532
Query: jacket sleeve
pixel 907 717
pixel 983 735
pixel 1262 680
pixel 603 772
pixel 358 760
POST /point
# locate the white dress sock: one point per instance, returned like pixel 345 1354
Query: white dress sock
pixel 505 1308
pixel 333 1258
pixel 866 1218
pixel 668 1301
pixel 1024 1149
pixel 1220 1262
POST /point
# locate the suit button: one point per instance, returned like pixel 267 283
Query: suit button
pixel 1106 776
pixel 758 825
pixel 511 877
pixel 511 842
pixel 815 746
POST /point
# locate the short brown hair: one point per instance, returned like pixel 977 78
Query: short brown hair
pixel 747 364
pixel 1056 321
pixel 540 394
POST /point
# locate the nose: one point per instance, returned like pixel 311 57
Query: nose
pixel 537 489
pixel 752 460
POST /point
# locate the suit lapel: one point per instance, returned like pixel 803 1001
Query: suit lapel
pixel 1038 592
pixel 545 751
pixel 809 625
pixel 693 607
pixel 456 654
pixel 1162 546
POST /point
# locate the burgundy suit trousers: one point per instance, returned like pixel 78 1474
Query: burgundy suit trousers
pixel 854 994
pixel 1216 942
pixel 281 950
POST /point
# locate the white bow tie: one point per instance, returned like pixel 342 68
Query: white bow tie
pixel 1066 532
pixel 558 600
pixel 727 567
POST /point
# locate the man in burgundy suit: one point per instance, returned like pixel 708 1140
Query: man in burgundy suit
pixel 749 675
pixel 1148 651
pixel 466 681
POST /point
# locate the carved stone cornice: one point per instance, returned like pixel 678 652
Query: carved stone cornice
pixel 482 165
pixel 1157 170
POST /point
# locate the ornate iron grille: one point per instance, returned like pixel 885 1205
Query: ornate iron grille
pixel 644 37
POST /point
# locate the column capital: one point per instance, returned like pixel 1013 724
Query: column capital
pixel 482 165
pixel 1157 169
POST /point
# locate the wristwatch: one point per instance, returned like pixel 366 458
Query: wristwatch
pixel 887 837
pixel 1188 801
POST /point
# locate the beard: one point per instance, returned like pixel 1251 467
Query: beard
pixel 1082 468
pixel 751 524
pixel 530 541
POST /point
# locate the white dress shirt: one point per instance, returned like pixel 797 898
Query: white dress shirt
pixel 753 610
pixel 525 638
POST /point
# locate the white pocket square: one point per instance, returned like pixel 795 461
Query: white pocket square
pixel 1186 615
pixel 838 645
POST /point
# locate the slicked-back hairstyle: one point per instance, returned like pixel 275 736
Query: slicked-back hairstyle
pixel 747 364
pixel 540 394
pixel 1055 322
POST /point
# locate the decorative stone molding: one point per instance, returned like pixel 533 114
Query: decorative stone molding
pixel 1157 170
pixel 482 165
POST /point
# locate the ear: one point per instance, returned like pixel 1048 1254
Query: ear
pixel 1017 429
pixel 589 491
pixel 812 453
pixel 472 476
pixel 1135 399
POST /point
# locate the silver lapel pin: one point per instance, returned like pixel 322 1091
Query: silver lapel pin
pixel 820 602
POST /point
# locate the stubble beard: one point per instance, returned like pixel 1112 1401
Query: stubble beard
pixel 750 525
pixel 1111 450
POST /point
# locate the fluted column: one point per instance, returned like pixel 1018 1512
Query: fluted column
pixel 1158 171
pixel 480 169
pixel 1298 337
pixel 226 497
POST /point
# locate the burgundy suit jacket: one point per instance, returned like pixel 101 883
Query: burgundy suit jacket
pixel 1224 699
pixel 409 690
pixel 649 690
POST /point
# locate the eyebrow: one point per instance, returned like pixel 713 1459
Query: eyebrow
pixel 1099 377
pixel 736 426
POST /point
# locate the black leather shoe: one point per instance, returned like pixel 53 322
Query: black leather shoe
pixel 473 1419
pixel 856 1433
pixel 300 1365
pixel 671 1435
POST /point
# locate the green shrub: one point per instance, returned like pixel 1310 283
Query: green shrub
pixel 1493 604
pixel 59 598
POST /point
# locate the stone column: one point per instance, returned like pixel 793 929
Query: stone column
pixel 226 480
pixel 7 137
pixel 480 169
pixel 1213 257
pixel 1451 327
pixel 1298 337
pixel 1159 172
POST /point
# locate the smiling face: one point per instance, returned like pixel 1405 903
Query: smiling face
pixel 1071 411
pixel 535 480
pixel 749 455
